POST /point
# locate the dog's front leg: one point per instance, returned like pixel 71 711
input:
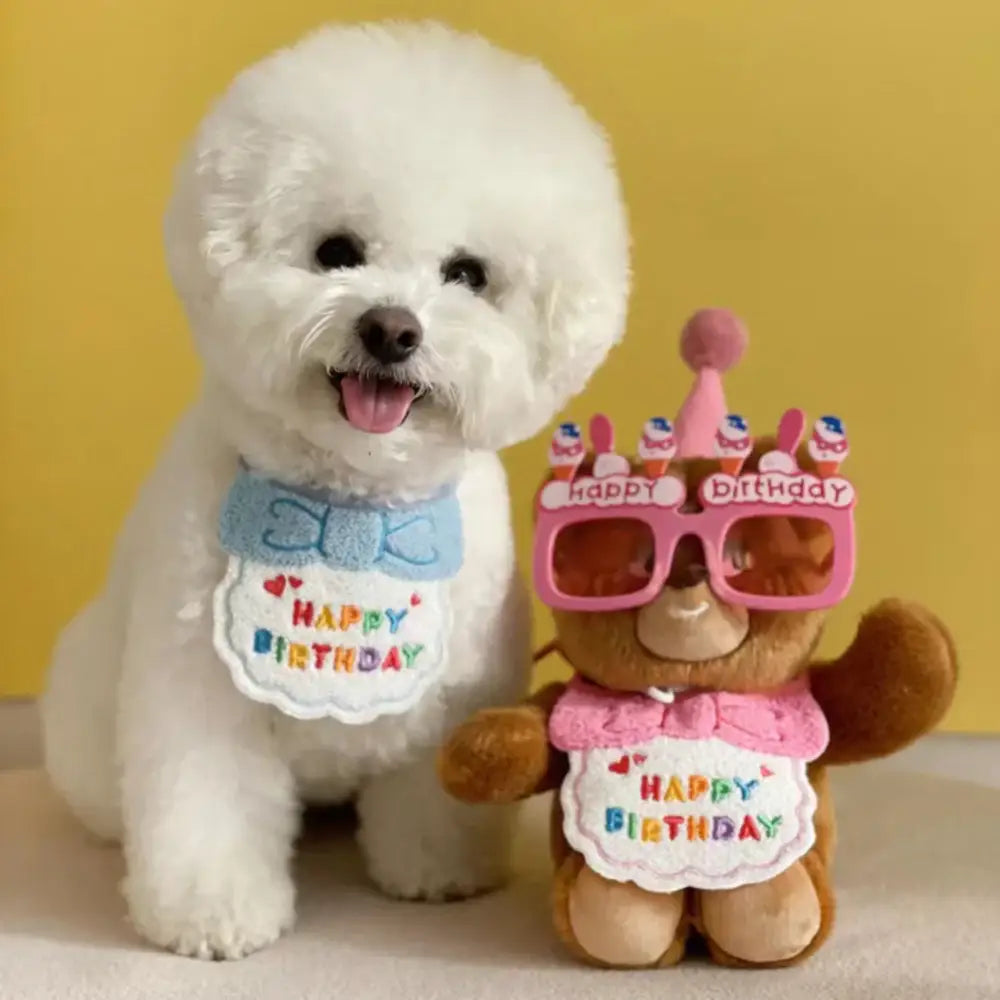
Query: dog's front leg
pixel 209 807
pixel 420 843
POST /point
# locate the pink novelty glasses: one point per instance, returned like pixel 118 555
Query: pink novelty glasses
pixel 775 539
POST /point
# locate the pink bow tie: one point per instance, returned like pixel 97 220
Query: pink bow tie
pixel 787 722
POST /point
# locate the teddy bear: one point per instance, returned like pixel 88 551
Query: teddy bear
pixel 690 750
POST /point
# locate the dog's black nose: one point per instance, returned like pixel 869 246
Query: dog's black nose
pixel 390 333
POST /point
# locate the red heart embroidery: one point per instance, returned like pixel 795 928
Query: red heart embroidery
pixel 765 771
pixel 294 582
pixel 639 758
pixel 414 599
pixel 620 766
pixel 276 585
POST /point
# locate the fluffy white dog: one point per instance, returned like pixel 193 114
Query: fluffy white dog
pixel 400 250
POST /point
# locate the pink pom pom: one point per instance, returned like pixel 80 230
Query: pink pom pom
pixel 713 338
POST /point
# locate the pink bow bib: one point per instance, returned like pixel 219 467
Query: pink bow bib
pixel 710 792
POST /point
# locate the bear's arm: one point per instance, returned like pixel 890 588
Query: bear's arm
pixel 504 754
pixel 893 684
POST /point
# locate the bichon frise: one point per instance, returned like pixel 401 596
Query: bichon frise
pixel 400 250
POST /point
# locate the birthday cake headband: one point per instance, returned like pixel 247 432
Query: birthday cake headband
pixel 712 342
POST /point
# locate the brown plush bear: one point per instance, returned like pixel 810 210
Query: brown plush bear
pixel 698 655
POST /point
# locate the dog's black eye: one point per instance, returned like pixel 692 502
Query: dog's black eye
pixel 468 271
pixel 341 251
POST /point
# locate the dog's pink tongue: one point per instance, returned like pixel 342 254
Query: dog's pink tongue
pixel 375 405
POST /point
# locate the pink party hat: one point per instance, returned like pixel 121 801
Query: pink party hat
pixel 712 342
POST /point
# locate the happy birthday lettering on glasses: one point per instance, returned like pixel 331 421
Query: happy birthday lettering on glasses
pixel 778 481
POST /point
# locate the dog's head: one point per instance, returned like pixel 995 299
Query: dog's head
pixel 396 244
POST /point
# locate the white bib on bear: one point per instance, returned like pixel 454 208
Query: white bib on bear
pixel 711 792
pixel 670 814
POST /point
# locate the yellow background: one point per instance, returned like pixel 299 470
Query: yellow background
pixel 830 170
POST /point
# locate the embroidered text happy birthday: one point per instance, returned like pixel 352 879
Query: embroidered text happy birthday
pixel 734 823
pixel 364 638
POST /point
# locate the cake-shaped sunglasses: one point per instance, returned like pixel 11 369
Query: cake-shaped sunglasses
pixel 774 537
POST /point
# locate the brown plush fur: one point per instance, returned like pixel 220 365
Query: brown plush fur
pixel 892 685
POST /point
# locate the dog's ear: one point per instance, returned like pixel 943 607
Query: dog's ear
pixel 207 224
pixel 584 301
pixel 582 279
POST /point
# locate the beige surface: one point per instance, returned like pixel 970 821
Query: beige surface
pixel 918 877
pixel 20 739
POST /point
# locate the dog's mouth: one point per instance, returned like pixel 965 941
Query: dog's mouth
pixel 376 404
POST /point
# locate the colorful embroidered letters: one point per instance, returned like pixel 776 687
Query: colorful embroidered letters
pixel 296 655
pixel 346 618
pixel 312 654
pixel 654 788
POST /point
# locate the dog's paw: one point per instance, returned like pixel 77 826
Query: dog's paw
pixel 436 865
pixel 224 917
pixel 420 843
pixel 444 885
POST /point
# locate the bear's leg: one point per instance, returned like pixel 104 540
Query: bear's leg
pixel 772 923
pixel 617 923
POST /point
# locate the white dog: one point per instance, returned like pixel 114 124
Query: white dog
pixel 400 250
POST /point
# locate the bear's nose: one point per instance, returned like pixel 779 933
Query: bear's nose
pixel 390 333
pixel 688 568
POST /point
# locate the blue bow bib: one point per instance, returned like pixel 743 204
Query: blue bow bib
pixel 333 606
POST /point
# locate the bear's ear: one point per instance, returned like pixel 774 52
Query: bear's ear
pixel 763 445
pixel 805 460
pixel 585 468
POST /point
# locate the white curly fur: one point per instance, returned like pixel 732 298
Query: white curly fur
pixel 422 142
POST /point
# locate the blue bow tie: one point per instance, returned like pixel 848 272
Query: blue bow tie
pixel 286 526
